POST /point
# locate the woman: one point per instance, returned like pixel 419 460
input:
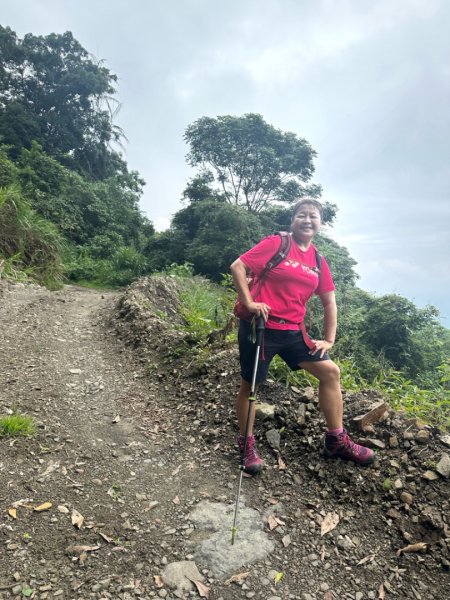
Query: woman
pixel 281 301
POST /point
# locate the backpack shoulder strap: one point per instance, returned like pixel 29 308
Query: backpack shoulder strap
pixel 281 253
pixel 318 262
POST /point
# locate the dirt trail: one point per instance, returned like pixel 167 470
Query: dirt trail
pixel 134 445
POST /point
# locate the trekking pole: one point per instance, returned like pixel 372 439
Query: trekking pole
pixel 259 336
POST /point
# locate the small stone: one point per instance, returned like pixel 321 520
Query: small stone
pixel 63 509
pixel 422 436
pixel 359 596
pixel 324 587
pixel 393 443
pixel 97 481
pixel 445 439
pixel 408 435
pixel 407 498
pixel 398 484
pixel 430 476
pixel 273 438
pixel 443 466
pixel 374 443
pixel 308 394
pixel 264 411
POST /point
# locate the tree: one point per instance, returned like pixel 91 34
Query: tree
pixel 53 92
pixel 253 164
pixel 394 327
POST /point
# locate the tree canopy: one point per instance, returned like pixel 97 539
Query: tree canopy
pixel 252 163
pixel 53 92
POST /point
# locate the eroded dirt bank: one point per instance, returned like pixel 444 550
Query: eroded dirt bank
pixel 133 433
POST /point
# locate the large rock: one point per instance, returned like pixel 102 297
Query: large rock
pixel 180 575
pixel 264 411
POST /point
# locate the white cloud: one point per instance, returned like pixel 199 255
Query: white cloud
pixel 161 223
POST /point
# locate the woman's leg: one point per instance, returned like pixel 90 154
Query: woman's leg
pixel 243 405
pixel 330 395
pixel 337 442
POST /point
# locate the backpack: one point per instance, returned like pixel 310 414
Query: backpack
pixel 239 309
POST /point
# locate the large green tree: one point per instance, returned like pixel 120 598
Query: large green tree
pixel 253 164
pixel 52 91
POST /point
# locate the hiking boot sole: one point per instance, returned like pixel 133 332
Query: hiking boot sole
pixel 366 463
pixel 254 470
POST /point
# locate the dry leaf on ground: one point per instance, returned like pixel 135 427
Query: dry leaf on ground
pixel 328 595
pixel 42 507
pixel 381 595
pixel 159 582
pixel 77 519
pixel 237 578
pixel 329 523
pixel 281 464
pixel 272 522
pixel 286 540
pixel 116 419
pixel 278 577
pixel 201 588
pixel 419 547
pixel 176 500
pixel 12 512
pixel 176 471
pixel 365 560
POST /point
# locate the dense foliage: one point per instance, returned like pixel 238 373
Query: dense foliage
pixel 57 139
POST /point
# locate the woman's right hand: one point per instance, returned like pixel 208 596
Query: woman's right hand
pixel 259 308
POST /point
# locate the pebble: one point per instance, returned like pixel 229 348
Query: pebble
pixel 430 476
pixel 406 497
pixel 422 436
pixel 443 466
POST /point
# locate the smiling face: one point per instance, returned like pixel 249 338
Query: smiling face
pixel 305 223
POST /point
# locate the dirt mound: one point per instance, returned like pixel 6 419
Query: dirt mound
pixel 402 501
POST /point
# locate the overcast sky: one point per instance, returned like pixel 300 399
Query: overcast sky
pixel 366 82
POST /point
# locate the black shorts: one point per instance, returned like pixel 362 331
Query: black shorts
pixel 288 344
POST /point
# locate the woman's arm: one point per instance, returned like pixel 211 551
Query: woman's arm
pixel 328 300
pixel 239 272
pixel 330 316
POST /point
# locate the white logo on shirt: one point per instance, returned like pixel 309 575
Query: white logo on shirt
pixel 294 264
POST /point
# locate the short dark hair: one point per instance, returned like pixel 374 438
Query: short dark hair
pixel 311 202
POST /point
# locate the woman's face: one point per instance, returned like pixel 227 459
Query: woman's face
pixel 305 223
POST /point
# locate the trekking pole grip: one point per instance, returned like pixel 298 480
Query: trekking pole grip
pixel 260 326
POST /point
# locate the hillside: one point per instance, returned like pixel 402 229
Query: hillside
pixel 134 449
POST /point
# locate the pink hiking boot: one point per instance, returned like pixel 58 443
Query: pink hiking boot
pixel 341 446
pixel 252 462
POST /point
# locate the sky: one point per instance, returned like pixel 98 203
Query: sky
pixel 365 82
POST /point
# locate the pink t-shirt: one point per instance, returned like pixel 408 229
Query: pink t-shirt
pixel 287 287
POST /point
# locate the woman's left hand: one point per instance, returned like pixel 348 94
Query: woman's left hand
pixel 321 346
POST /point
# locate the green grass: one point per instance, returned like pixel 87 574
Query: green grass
pixel 16 425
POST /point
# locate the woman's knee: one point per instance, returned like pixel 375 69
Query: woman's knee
pixel 328 371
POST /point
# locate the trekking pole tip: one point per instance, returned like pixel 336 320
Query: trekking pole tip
pixel 233 534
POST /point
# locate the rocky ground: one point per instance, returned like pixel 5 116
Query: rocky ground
pixel 127 488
